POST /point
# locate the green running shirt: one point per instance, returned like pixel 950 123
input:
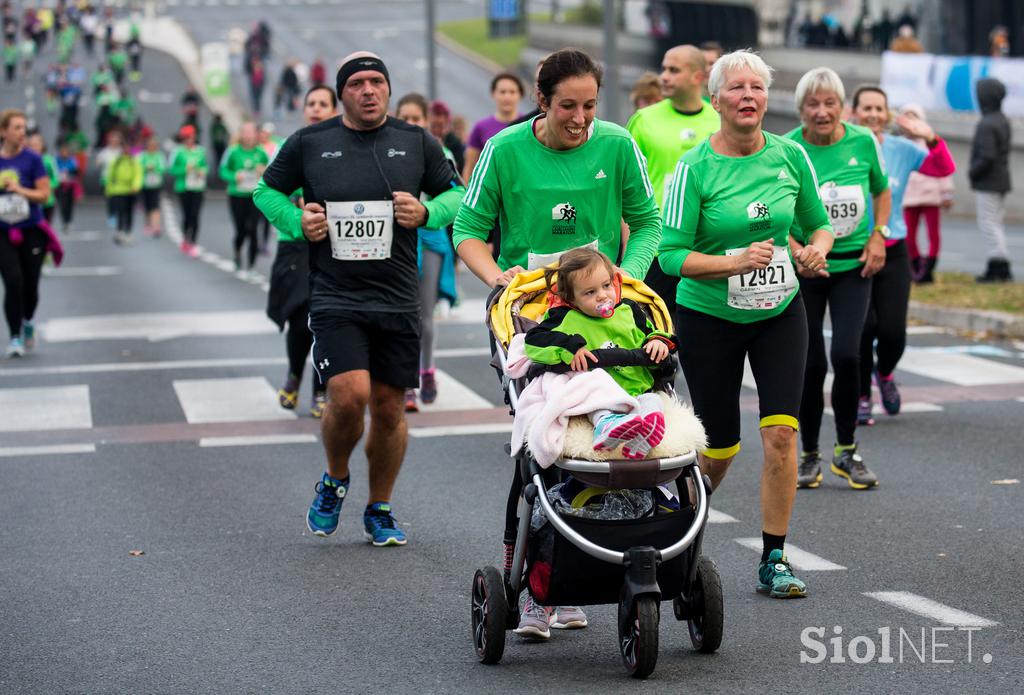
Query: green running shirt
pixel 665 134
pixel 189 168
pixel 850 172
pixel 153 168
pixel 718 203
pixel 550 201
pixel 249 162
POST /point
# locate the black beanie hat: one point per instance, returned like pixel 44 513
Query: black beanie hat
pixel 359 64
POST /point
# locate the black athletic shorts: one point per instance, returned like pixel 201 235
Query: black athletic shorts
pixel 150 199
pixel 712 353
pixel 385 344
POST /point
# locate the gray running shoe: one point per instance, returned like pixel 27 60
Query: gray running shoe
pixel 569 618
pixel 535 621
pixel 850 465
pixel 808 475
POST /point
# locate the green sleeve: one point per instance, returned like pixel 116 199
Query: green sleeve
pixel 279 211
pixel 105 174
pixel 548 344
pixel 481 203
pixel 878 178
pixel 51 170
pixel 682 213
pixel 809 213
pixel 641 214
pixel 227 167
pixel 136 175
pixel 442 209
pixel 177 163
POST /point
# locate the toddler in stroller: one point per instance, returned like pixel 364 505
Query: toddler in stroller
pixel 632 562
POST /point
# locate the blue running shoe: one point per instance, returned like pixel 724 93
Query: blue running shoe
pixel 322 518
pixel 776 579
pixel 380 526
pixel 28 335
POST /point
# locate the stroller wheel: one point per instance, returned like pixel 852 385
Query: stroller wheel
pixel 638 636
pixel 490 615
pixel 706 624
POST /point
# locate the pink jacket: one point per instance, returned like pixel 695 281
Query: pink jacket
pixel 932 184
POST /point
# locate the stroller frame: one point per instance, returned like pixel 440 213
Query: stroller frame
pixel 699 602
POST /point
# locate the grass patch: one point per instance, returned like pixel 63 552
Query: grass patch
pixel 472 34
pixel 961 291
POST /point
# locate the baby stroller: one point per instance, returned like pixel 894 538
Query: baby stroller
pixel 573 560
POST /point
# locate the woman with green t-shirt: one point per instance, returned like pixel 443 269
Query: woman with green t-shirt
pixel 189 169
pixel 556 182
pixel 154 166
pixel 727 226
pixel 851 171
pixel 37 144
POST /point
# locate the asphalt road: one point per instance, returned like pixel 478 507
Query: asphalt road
pixel 146 422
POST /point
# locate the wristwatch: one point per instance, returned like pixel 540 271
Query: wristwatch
pixel 884 230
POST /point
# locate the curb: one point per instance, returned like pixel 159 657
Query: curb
pixel 997 323
pixel 167 35
pixel 473 57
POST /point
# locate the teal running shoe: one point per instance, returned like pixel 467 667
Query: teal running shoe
pixel 322 518
pixel 776 579
pixel 380 526
pixel 28 335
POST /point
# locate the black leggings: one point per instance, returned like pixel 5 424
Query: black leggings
pixel 21 267
pixel 887 317
pixel 191 202
pixel 847 295
pixel 299 339
pixel 246 217
pixel 123 206
pixel 665 285
pixel 66 202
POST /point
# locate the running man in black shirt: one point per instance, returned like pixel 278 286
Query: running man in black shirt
pixel 361 177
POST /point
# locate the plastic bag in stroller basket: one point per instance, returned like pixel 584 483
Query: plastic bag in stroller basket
pixel 559 573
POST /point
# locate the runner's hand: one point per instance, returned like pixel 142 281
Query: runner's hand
pixel 409 212
pixel 873 256
pixel 810 262
pixel 656 349
pixel 579 360
pixel 506 277
pixel 757 256
pixel 314 222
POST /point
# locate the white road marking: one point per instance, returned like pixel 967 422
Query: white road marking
pixel 258 440
pixel 81 236
pixel 926 608
pixel 229 400
pixel 717 517
pixel 45 408
pixel 82 271
pixel 145 366
pixel 157 326
pixel 799 559
pixel 910 407
pixel 454 395
pixel 47 450
pixel 463 352
pixel 459 430
pixel 469 311
pixel 924 330
pixel 963 370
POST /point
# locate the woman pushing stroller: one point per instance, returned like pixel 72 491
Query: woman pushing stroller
pixel 587 313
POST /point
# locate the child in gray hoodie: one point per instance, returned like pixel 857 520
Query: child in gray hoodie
pixel 990 176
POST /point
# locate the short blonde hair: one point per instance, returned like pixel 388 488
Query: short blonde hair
pixel 818 80
pixel 738 60
pixel 7 115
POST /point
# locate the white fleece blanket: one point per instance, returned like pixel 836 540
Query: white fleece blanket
pixel 547 403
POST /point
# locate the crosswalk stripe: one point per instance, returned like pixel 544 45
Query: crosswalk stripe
pixel 97 271
pixel 963 370
pixel 909 407
pixel 717 517
pixel 258 440
pixel 229 400
pixel 927 608
pixel 145 366
pixel 156 326
pixel 45 408
pixel 798 558
pixel 460 430
pixel 48 450
pixel 452 394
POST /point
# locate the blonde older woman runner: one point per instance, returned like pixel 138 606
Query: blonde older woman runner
pixel 850 167
pixel 727 215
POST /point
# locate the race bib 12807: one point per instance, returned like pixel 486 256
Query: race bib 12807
pixel 763 288
pixel 361 230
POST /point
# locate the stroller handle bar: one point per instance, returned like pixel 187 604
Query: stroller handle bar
pixel 616 556
pixel 665 464
pixel 606 357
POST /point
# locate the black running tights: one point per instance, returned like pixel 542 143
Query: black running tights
pixel 299 339
pixel 191 203
pixel 887 317
pixel 246 217
pixel 21 267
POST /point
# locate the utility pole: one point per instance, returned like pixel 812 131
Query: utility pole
pixel 612 92
pixel 431 50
